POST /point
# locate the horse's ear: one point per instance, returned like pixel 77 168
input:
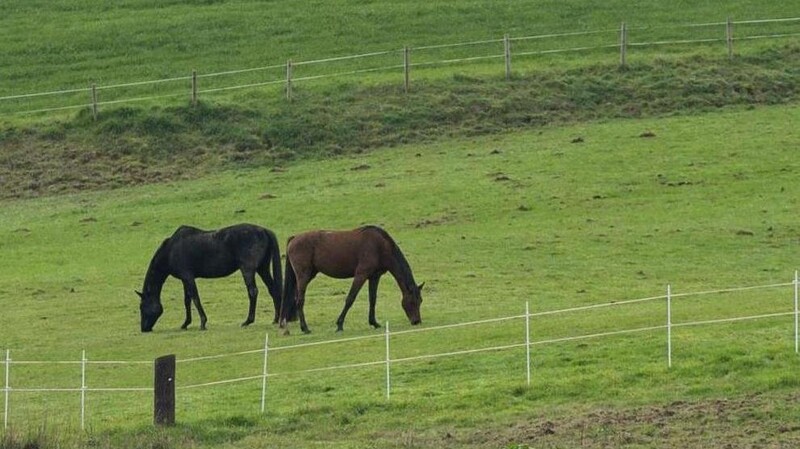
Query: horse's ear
pixel 419 287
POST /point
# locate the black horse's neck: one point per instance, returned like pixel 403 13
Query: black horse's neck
pixel 157 273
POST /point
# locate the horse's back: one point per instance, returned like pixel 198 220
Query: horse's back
pixel 220 252
pixel 337 253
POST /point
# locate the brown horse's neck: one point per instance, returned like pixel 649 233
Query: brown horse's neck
pixel 401 271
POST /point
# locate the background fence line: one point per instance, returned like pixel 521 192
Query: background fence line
pixel 620 36
pixel 84 389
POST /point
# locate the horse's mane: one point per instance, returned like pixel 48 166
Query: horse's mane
pixel 405 268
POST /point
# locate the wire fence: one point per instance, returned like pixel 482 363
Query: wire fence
pixel 399 61
pixel 391 340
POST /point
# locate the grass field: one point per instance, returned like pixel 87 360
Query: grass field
pixel 562 217
pixel 67 44
pixel 575 183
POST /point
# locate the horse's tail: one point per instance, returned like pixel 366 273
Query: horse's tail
pixel 277 271
pixel 289 305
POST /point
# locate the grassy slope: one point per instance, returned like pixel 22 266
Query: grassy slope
pixel 65 44
pixel 142 40
pixel 708 202
pixel 133 145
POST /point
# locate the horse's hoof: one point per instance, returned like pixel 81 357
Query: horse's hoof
pixel 306 331
pixel 246 323
pixel 285 332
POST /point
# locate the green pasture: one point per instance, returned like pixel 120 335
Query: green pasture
pixel 558 217
pixel 68 45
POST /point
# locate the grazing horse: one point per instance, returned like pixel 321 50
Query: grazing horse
pixel 194 253
pixel 363 254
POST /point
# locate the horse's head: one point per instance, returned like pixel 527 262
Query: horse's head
pixel 150 310
pixel 412 300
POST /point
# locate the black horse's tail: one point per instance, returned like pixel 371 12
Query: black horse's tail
pixel 277 272
pixel 289 305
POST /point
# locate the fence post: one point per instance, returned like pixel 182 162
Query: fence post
pixel 528 340
pixel 623 45
pixel 507 48
pixel 264 379
pixel 796 322
pixel 406 69
pixel 388 362
pixel 669 326
pixel 83 389
pixel 194 87
pixel 7 388
pixel 729 37
pixel 164 391
pixel 94 101
pixel 289 79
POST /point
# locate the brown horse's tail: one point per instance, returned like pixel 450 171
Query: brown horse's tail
pixel 289 305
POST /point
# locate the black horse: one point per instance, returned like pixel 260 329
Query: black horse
pixel 194 253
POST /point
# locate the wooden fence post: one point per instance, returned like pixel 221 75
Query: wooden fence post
pixel 406 69
pixel 507 47
pixel 289 79
pixel 94 101
pixel 194 87
pixel 729 37
pixel 164 391
pixel 623 45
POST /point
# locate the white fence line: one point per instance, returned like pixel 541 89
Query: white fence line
pixel 388 360
pixel 93 103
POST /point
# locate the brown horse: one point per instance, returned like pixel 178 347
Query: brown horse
pixel 363 254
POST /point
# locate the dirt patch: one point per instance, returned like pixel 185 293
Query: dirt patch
pixel 756 421
pixel 753 421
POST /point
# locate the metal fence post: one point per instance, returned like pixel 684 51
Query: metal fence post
pixel 264 379
pixel 164 390
pixel 669 326
pixel 796 321
pixel 7 388
pixel 528 340
pixel 83 390
pixel 388 363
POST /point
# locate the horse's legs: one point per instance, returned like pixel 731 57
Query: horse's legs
pixel 272 286
pixel 302 285
pixel 373 297
pixel 252 294
pixel 190 293
pixel 187 302
pixel 358 282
